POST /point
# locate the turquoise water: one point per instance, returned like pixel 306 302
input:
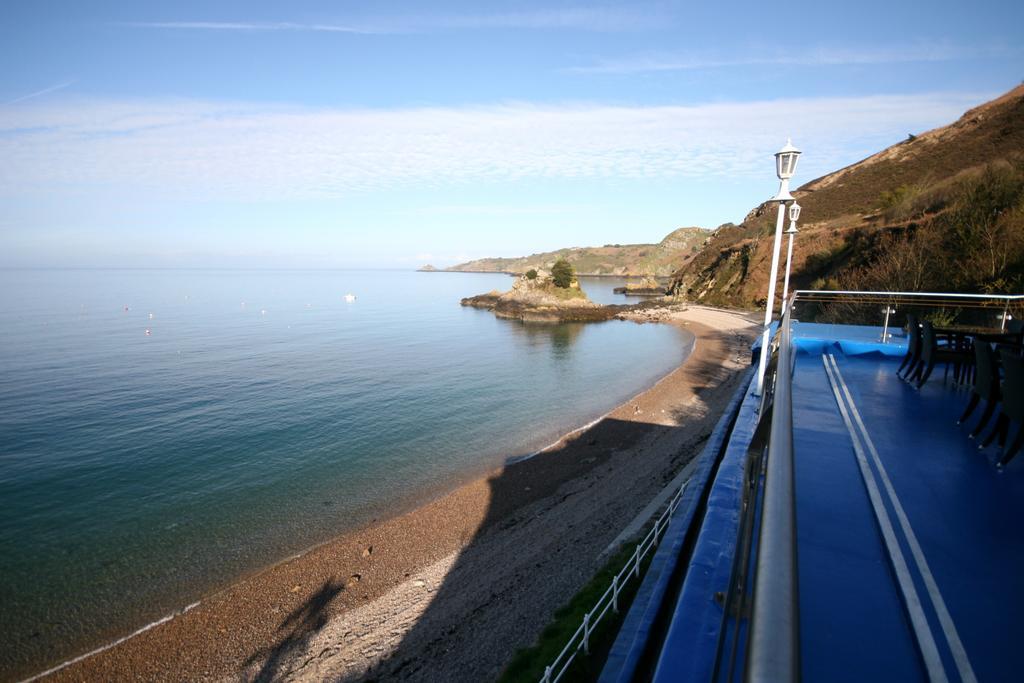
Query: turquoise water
pixel 261 414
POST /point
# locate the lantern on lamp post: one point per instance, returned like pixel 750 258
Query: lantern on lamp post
pixel 785 166
pixel 794 216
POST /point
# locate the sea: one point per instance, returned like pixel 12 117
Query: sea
pixel 165 432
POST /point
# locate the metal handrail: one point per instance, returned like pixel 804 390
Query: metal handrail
pixel 1005 302
pixel 802 293
pixel 773 648
pixel 953 299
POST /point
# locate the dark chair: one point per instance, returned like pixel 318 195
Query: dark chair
pixel 986 385
pixel 1012 407
pixel 913 345
pixel 950 351
pixel 1015 327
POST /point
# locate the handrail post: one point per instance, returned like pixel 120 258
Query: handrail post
pixel 885 328
pixel 773 648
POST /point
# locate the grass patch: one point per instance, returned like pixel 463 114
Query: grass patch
pixel 527 665
pixel 566 293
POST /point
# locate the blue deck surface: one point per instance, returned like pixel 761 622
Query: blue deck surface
pixel 967 516
pixel 848 599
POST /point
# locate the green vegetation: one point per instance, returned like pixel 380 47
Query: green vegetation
pixel 531 274
pixel 890 198
pixel 975 245
pixel 562 273
pixel 527 665
pixel 566 293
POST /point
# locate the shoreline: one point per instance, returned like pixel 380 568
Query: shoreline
pixel 580 430
pixel 232 629
pixel 405 504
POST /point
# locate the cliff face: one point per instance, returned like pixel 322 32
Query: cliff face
pixel 853 218
pixel 659 260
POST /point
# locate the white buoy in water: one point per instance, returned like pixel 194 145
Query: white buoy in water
pixel 350 298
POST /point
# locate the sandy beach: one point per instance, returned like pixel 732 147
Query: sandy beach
pixel 451 589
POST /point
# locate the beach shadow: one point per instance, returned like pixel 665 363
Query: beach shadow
pixel 549 526
pixel 537 532
pixel 297 629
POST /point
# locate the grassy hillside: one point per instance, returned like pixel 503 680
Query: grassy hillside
pixel 943 210
pixel 661 259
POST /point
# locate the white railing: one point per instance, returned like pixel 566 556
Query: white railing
pixel 580 640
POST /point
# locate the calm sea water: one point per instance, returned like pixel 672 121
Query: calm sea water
pixel 163 432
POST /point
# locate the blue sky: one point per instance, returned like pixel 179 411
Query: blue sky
pixel 387 134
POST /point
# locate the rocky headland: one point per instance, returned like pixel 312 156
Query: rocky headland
pixel 540 300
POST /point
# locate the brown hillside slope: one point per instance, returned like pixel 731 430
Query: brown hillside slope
pixel 850 217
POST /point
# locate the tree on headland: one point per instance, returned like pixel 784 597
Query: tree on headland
pixel 562 273
pixel 531 274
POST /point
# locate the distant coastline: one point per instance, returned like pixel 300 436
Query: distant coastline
pixel 629 276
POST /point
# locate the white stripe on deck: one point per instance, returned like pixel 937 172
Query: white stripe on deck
pixel 963 663
pixel 918 620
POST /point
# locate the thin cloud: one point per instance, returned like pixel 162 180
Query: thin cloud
pixel 572 18
pixel 809 57
pixel 496 209
pixel 39 93
pixel 196 151
pixel 251 27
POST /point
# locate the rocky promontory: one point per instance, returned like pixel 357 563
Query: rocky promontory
pixel 540 300
pixel 648 287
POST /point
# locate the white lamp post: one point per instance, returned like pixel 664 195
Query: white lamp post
pixel 785 166
pixel 794 216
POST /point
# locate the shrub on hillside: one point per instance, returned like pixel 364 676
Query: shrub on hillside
pixel 562 273
pixel 975 245
pixel 531 274
pixel 984 229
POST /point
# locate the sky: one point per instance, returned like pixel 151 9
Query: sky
pixel 392 134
